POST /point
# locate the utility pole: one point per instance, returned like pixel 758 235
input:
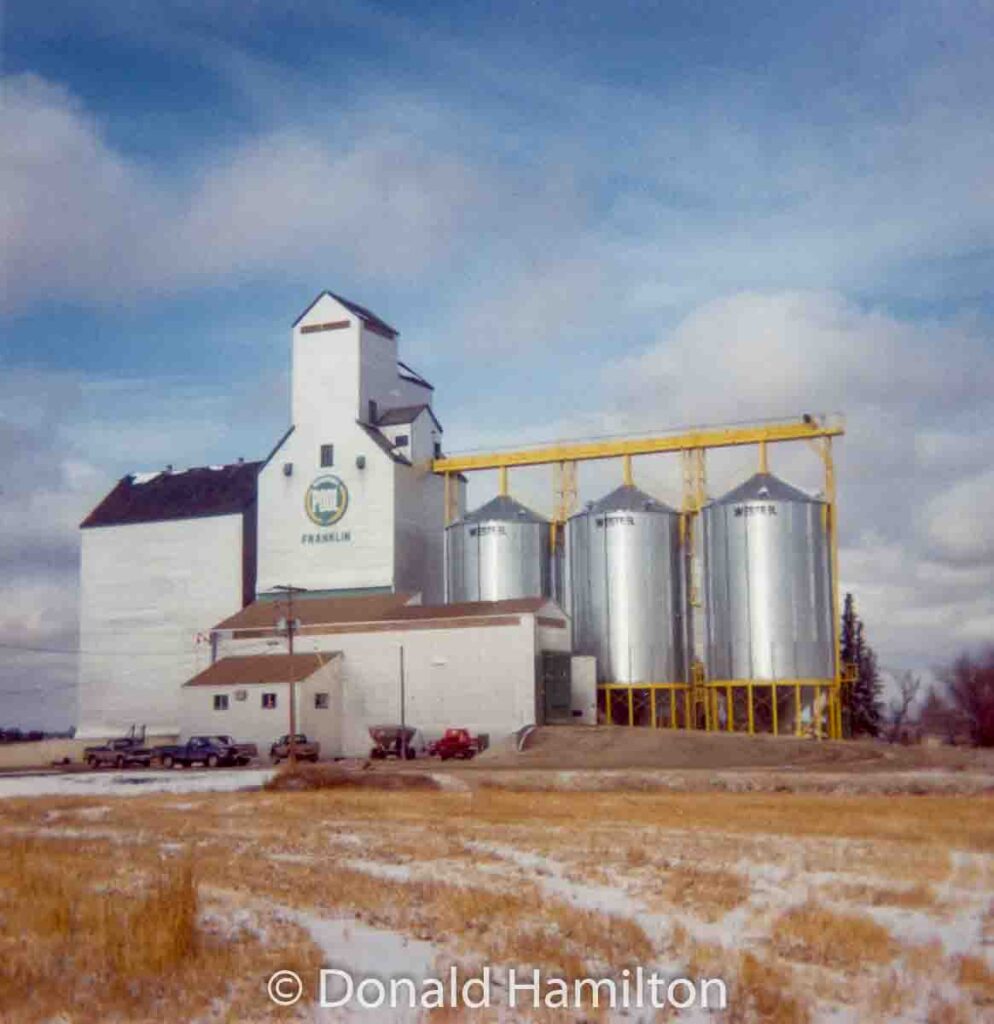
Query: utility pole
pixel 290 590
pixel 403 722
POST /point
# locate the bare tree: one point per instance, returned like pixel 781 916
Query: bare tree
pixel 939 718
pixel 970 682
pixel 908 685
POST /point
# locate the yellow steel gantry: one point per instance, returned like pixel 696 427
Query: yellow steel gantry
pixel 699 702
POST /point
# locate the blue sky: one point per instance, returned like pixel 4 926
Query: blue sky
pixel 582 218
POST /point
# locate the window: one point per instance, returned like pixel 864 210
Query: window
pixel 438 449
pixel 373 412
pixel 220 702
pixel 402 441
pixel 269 701
pixel 327 455
pixel 321 701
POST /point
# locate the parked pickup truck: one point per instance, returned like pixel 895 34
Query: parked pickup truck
pixel 206 750
pixel 246 751
pixel 303 748
pixel 122 753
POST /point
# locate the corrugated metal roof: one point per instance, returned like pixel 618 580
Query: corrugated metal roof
pixel 262 668
pixel 155 497
pixel 764 487
pixel 505 509
pixel 380 608
pixel 310 610
pixel 467 609
pixel 628 498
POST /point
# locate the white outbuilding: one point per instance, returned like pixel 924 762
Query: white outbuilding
pixel 492 667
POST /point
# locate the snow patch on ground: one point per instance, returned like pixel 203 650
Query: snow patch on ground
pixel 367 952
pixel 134 783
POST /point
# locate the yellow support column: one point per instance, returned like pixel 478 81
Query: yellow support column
pixel 833 548
pixel 752 717
pixel 729 709
pixel 652 706
pixel 672 709
pixel 688 722
pixel 631 707
pixel 626 471
pixel 773 699
pixel 608 694
pixel 797 710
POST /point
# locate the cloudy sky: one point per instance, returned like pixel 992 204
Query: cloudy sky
pixel 584 218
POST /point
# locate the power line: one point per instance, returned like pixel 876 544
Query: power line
pixel 24 649
pixel 38 688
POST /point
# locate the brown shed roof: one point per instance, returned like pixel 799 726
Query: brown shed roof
pixel 311 610
pixel 261 668
pixel 381 608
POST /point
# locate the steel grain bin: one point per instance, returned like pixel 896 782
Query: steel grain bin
pixel 625 588
pixel 767 583
pixel 498 552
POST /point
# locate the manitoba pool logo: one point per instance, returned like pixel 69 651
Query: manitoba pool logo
pixel 326 500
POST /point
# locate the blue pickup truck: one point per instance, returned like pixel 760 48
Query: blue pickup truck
pixel 210 751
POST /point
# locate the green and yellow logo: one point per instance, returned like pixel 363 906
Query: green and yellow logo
pixel 326 500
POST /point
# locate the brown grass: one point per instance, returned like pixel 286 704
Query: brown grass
pixel 926 959
pixel 760 988
pixel 318 850
pixel 910 897
pixel 975 976
pixel 847 942
pixel 942 1011
pixel 87 936
pixel 707 892
pixel 761 991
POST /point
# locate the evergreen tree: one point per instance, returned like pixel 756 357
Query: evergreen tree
pixel 865 709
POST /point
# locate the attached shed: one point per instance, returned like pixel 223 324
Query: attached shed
pixel 248 697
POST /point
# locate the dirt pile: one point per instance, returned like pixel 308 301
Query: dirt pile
pixel 306 777
pixel 617 747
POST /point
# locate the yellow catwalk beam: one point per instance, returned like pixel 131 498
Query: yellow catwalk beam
pixel 721 437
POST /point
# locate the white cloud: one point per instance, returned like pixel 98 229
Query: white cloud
pixel 959 521
pixel 82 220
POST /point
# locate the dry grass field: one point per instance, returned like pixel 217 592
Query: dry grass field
pixel 811 907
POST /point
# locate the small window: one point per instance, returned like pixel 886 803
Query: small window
pixel 327 455
pixel 220 702
pixel 321 701
pixel 438 449
pixel 269 701
pixel 402 440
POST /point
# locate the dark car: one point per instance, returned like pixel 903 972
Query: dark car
pixel 206 750
pixel 303 748
pixel 121 753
